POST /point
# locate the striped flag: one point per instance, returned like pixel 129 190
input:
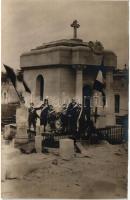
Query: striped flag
pixel 99 83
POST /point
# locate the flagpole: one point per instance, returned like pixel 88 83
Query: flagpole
pixel 12 76
pixel 18 95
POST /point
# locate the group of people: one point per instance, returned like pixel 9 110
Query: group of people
pixel 46 111
pixel 71 118
pixel 67 117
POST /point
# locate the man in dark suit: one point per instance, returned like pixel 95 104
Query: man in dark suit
pixel 32 117
pixel 44 114
pixel 72 115
pixel 52 119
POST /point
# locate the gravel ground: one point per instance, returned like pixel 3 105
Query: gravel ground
pixel 101 173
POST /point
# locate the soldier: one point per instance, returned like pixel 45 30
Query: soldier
pixel 63 118
pixel 72 115
pixel 90 129
pixel 52 119
pixel 32 117
pixel 44 113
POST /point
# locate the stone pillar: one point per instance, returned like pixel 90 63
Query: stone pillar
pixel 9 131
pixel 38 130
pixel 110 115
pixel 38 143
pixel 67 149
pixel 79 84
pixel 22 125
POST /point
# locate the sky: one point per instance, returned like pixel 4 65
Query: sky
pixel 27 24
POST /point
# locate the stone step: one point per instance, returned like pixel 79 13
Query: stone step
pixel 81 148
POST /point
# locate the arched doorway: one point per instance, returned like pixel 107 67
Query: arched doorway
pixel 40 87
pixel 87 93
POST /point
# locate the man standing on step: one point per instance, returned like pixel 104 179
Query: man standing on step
pixel 44 114
pixel 52 119
pixel 32 117
pixel 72 115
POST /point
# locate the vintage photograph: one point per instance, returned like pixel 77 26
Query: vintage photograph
pixel 64 99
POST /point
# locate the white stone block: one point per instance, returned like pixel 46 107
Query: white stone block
pixel 66 149
pixel 22 131
pixel 38 130
pixel 9 131
pixel 38 143
pixel 11 152
pixel 22 125
pixel 21 136
pixel 12 143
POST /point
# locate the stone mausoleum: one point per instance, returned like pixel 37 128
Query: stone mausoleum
pixel 67 68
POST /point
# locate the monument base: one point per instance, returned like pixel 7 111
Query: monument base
pixel 38 143
pixel 66 150
pixel 21 136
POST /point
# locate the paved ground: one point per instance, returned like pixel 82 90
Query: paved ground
pixel 102 173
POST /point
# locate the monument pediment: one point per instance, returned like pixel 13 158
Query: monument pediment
pixel 63 42
pixel 68 52
pixel 96 46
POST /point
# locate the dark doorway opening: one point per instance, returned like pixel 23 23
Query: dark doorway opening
pixel 117 103
pixel 40 87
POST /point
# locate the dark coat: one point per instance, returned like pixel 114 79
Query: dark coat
pixel 32 114
pixel 72 117
pixel 44 115
pixel 63 116
pixel 52 116
pixel 73 111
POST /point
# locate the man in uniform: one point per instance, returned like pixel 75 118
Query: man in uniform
pixel 63 118
pixel 32 117
pixel 44 113
pixel 72 115
pixel 52 119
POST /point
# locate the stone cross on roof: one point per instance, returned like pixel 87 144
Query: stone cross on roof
pixel 75 25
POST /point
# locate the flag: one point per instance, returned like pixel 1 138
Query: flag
pixel 16 79
pixel 11 75
pixel 20 78
pixel 99 84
